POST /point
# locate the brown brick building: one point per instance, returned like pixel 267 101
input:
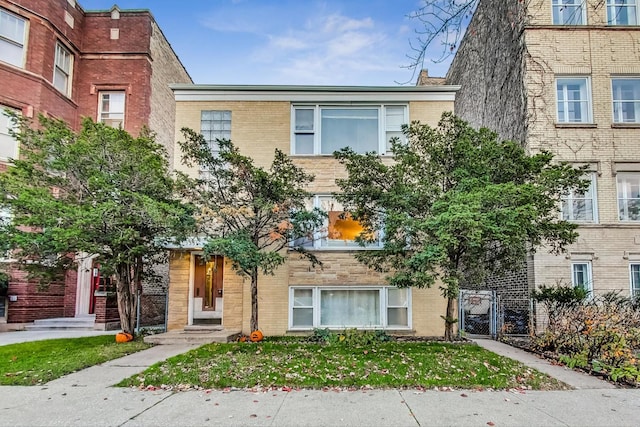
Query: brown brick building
pixel 564 76
pixel 62 61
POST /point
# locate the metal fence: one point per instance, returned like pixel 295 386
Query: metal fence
pixel 485 313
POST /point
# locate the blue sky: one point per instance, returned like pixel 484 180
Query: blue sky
pixel 308 42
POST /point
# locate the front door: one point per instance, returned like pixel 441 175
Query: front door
pixel 208 280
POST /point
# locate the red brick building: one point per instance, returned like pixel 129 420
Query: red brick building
pixel 57 59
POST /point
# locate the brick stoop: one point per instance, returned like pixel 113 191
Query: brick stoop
pixel 195 335
pixel 83 323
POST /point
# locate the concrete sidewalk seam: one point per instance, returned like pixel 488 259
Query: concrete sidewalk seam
pixel 523 401
pixel 146 409
pixel 413 415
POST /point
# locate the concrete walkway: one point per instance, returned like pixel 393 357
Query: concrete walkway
pixel 85 398
pixel 14 337
pixel 575 379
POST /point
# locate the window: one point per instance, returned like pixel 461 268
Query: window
pixel 581 275
pixel 629 196
pixel 370 307
pixel 8 144
pixel 339 230
pixel 62 70
pixel 634 270
pixel 581 207
pixel 12 38
pixel 5 219
pixel 569 12
pixel 574 103
pixel 214 125
pixel 324 129
pixel 622 12
pixel 111 109
pixel 626 100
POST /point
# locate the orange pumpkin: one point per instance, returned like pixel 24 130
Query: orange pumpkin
pixel 242 338
pixel 123 337
pixel 256 336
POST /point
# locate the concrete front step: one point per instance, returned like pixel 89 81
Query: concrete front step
pixel 194 337
pixel 74 323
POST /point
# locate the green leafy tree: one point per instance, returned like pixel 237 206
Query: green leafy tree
pixel 455 205
pixel 98 192
pixel 246 213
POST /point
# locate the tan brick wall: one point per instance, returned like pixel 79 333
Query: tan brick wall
pixel 179 271
pixel 257 128
pixel 598 54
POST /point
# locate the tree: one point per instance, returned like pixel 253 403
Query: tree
pixel 248 214
pixel 456 205
pixel 99 192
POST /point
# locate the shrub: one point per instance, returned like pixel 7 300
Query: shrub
pixel 601 333
pixel 349 337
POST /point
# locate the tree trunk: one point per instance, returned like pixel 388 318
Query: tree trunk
pixel 254 299
pixel 450 319
pixel 127 278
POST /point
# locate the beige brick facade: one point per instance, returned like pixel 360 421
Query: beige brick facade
pixel 534 50
pixel 260 123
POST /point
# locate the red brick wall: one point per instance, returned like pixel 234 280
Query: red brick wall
pixel 33 303
pixel 70 288
pixel 106 308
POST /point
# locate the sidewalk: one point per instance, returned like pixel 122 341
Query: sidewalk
pixel 86 398
pixel 14 337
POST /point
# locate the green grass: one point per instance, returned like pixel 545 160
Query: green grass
pixel 38 362
pixel 313 365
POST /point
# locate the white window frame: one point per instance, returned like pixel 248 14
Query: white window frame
pixel 614 5
pixel 7 39
pixel 560 8
pixel 623 198
pixel 5 136
pixel 634 288
pixel 383 301
pixel 573 196
pixel 384 131
pixel 63 69
pixel 106 116
pixel 618 101
pixel 589 271
pixel 564 81
pixel 321 240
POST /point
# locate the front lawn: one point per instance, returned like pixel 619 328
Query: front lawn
pixel 38 362
pixel 317 365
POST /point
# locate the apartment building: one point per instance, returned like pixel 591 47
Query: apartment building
pixel 310 123
pixel 564 76
pixel 62 61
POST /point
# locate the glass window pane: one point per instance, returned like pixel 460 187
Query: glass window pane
pixel 304 143
pixel 353 127
pixel 350 308
pixel 302 317
pixel 303 297
pixel 304 119
pixel 397 297
pixel 635 279
pixel 395 117
pixel 397 317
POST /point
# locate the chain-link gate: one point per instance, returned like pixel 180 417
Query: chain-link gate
pixel 478 312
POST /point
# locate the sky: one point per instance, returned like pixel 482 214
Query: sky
pixel 282 42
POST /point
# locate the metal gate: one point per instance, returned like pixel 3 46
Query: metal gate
pixel 478 312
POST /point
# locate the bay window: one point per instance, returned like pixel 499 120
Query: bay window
pixel 111 108
pixel 349 307
pixel 12 38
pixel 321 130
pixel 62 69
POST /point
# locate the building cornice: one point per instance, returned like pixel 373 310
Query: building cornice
pixel 189 92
